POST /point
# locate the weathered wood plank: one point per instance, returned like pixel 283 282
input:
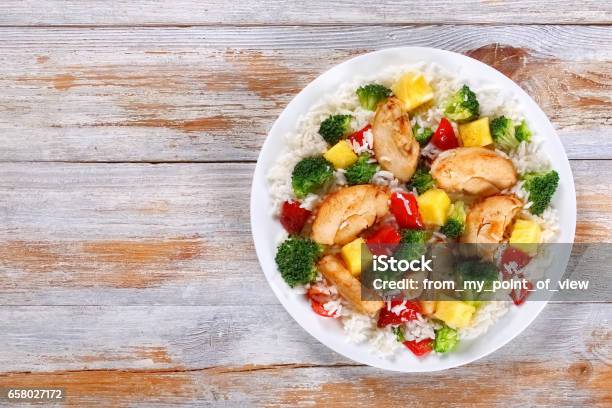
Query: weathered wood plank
pixel 125 234
pixel 189 12
pixel 212 93
pixel 253 355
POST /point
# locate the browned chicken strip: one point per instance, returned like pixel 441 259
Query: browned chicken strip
pixel 488 220
pixel 347 212
pixel 348 286
pixel 395 147
pixel 474 171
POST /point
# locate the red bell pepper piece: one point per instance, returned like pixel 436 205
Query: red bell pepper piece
pixel 444 137
pixel 406 210
pixel 383 240
pixel 519 297
pixel 387 317
pixel 357 136
pixel 512 261
pixel 419 348
pixel 293 217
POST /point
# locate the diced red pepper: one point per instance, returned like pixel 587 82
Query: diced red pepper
pixel 513 260
pixel 358 136
pixel 519 297
pixel 316 294
pixel 444 137
pixel 320 310
pixel 293 217
pixel 387 317
pixel 419 348
pixel 383 240
pixel 406 210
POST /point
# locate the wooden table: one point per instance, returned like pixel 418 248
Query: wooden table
pixel 129 132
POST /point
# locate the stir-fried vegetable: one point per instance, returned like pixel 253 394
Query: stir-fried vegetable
pixel 361 171
pixel 421 181
pixel 293 216
pixel 455 223
pixel 522 132
pixel 444 137
pixel 371 95
pixel 503 133
pixel 422 134
pixel 296 258
pixel 310 174
pixel 476 271
pixel 413 244
pixel 463 106
pixel 446 340
pixel 405 209
pixel 335 128
pixel 541 186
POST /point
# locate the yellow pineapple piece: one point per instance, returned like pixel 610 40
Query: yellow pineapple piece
pixel 455 313
pixel 476 133
pixel 526 235
pixel 433 206
pixel 413 90
pixel 352 253
pixel 341 155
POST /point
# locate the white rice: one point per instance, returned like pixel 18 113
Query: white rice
pixel 306 141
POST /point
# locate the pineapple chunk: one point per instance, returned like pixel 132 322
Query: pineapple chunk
pixel 455 313
pixel 476 133
pixel 428 307
pixel 413 90
pixel 351 253
pixel 433 206
pixel 341 155
pixel 526 235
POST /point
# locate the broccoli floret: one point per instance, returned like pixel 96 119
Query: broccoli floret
pixel 371 95
pixel 335 128
pixel 455 224
pixel 446 340
pixel 476 271
pixel 541 186
pixel 421 181
pixel 412 244
pixel 399 334
pixel 462 106
pixel 310 174
pixel 503 134
pixel 522 132
pixel 296 258
pixel 422 134
pixel 361 171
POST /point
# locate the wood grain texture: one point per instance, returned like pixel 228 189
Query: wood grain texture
pixel 125 234
pixel 212 93
pixel 190 12
pixel 126 356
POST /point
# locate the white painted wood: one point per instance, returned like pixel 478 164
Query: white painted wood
pixel 189 12
pixel 212 93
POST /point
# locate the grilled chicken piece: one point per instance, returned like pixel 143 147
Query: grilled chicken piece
pixel 488 220
pixel 395 147
pixel 473 170
pixel 348 286
pixel 347 212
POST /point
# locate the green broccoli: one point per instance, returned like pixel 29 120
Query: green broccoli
pixel 522 132
pixel 310 174
pixel 476 271
pixel 361 171
pixel 503 133
pixel 413 244
pixel 422 134
pixel 462 106
pixel 296 258
pixel 371 95
pixel 455 224
pixel 446 340
pixel 335 128
pixel 541 186
pixel 399 334
pixel 421 181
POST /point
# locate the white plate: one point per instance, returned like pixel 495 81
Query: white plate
pixel 266 228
